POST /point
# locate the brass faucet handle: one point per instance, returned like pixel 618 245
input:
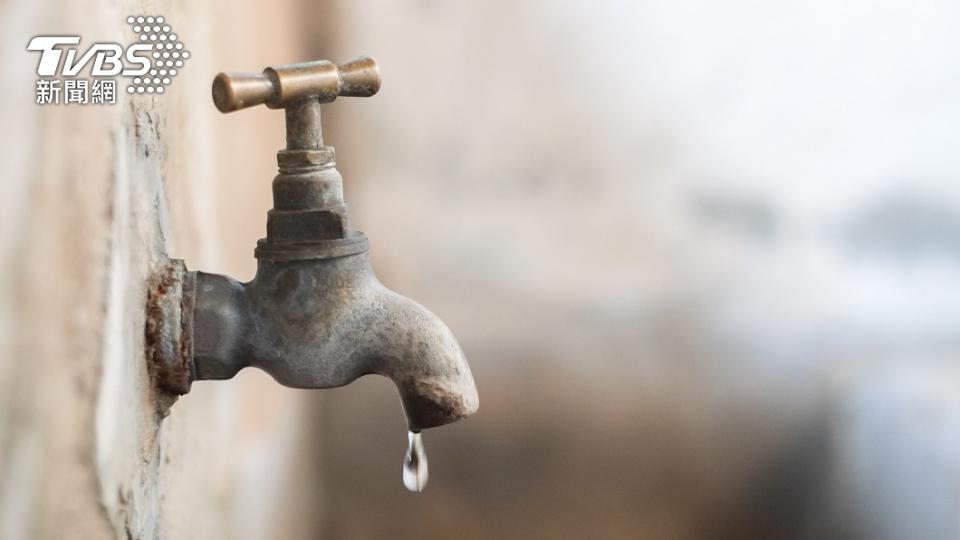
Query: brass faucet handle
pixel 279 86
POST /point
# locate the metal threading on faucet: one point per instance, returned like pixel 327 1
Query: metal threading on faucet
pixel 315 315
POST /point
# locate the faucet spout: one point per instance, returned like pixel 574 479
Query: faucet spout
pixel 415 349
pixel 325 323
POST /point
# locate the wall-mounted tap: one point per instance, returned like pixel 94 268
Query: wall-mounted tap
pixel 315 315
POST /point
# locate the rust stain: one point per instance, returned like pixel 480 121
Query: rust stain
pixel 167 335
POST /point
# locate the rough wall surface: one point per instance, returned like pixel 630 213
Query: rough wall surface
pixel 92 200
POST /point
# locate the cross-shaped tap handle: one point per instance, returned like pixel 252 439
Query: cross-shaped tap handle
pixel 299 89
pixel 280 86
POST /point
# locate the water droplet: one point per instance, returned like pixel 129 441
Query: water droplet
pixel 415 473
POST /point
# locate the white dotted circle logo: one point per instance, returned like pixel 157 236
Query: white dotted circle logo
pixel 168 53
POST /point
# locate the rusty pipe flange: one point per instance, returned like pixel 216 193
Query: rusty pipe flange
pixel 169 327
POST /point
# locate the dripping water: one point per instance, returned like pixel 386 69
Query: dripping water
pixel 415 473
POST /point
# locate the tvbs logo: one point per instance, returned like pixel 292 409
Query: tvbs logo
pixel 151 62
pixel 107 57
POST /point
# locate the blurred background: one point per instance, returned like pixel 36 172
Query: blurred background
pixel 703 258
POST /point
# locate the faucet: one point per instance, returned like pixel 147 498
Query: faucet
pixel 315 315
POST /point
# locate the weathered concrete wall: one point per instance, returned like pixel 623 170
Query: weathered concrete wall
pixel 92 199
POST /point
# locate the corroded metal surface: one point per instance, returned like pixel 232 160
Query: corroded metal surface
pixel 324 323
pixel 315 315
pixel 169 327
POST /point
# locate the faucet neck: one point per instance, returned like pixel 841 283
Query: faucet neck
pixel 304 130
